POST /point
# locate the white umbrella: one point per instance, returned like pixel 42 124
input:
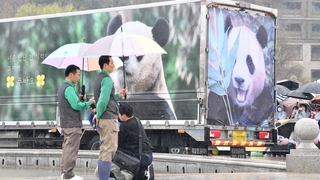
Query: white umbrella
pixel 123 44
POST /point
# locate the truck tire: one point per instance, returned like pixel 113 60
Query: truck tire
pixel 94 143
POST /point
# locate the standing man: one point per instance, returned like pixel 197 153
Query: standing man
pixel 69 105
pixel 106 117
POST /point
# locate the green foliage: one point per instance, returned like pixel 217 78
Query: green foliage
pixel 27 43
pixel 31 9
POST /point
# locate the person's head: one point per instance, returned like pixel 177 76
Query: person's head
pixel 125 111
pixel 92 108
pixel 294 110
pixel 303 107
pixel 106 63
pixel 72 73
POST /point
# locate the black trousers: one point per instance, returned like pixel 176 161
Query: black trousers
pixel 141 173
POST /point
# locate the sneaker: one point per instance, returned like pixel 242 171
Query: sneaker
pixel 96 172
pixel 74 178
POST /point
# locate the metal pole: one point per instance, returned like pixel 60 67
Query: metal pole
pixel 123 67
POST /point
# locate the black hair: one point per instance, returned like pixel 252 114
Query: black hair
pixel 305 107
pixel 126 109
pixel 71 69
pixel 93 106
pixel 104 59
pixel 300 105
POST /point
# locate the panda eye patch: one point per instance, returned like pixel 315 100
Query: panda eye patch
pixel 250 64
pixel 139 58
pixel 124 58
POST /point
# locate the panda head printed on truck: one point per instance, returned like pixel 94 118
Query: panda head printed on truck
pixel 144 73
pixel 249 77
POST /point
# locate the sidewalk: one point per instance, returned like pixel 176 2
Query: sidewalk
pixel 53 174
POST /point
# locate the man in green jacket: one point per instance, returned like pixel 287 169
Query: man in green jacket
pixel 70 106
pixel 106 118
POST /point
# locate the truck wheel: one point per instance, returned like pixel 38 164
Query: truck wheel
pixel 94 143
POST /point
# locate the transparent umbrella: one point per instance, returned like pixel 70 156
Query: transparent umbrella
pixel 72 53
pixel 123 45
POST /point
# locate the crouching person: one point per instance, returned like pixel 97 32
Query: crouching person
pixel 128 141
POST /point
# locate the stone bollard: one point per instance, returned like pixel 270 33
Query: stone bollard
pixel 306 158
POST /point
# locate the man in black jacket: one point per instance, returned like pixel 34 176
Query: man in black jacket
pixel 128 139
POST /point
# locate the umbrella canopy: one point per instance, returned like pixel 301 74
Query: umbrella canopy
pixel 281 97
pixel 289 103
pixel 124 44
pixel 71 54
pixel 312 87
pixel 300 95
pixel 289 84
pixel 316 100
pixel 282 89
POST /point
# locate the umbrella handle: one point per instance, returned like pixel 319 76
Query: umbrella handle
pixel 83 92
pixel 124 76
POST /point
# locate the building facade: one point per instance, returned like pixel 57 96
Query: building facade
pixel 299 24
pixel 300 21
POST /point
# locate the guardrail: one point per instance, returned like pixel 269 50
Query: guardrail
pixel 163 163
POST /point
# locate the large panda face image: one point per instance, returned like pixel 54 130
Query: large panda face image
pixel 143 73
pixel 249 74
pixel 139 69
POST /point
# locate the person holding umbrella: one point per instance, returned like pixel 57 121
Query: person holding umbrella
pixel 69 105
pixel 302 112
pixel 106 118
pixel 281 114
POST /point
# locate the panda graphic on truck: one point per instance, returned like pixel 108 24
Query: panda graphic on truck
pixel 144 74
pixel 249 98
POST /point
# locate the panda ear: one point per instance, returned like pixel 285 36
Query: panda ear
pixel 114 24
pixel 262 36
pixel 161 31
pixel 227 24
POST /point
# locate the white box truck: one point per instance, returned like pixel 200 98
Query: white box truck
pixel 213 88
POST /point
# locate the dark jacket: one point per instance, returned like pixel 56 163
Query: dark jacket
pixel 112 109
pixel 128 137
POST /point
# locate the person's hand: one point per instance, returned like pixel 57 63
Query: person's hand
pixel 92 100
pixel 123 92
pixel 284 141
pixel 95 121
pixel 80 97
pixel 316 141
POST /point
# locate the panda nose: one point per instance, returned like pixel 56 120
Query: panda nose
pixel 239 80
pixel 124 58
